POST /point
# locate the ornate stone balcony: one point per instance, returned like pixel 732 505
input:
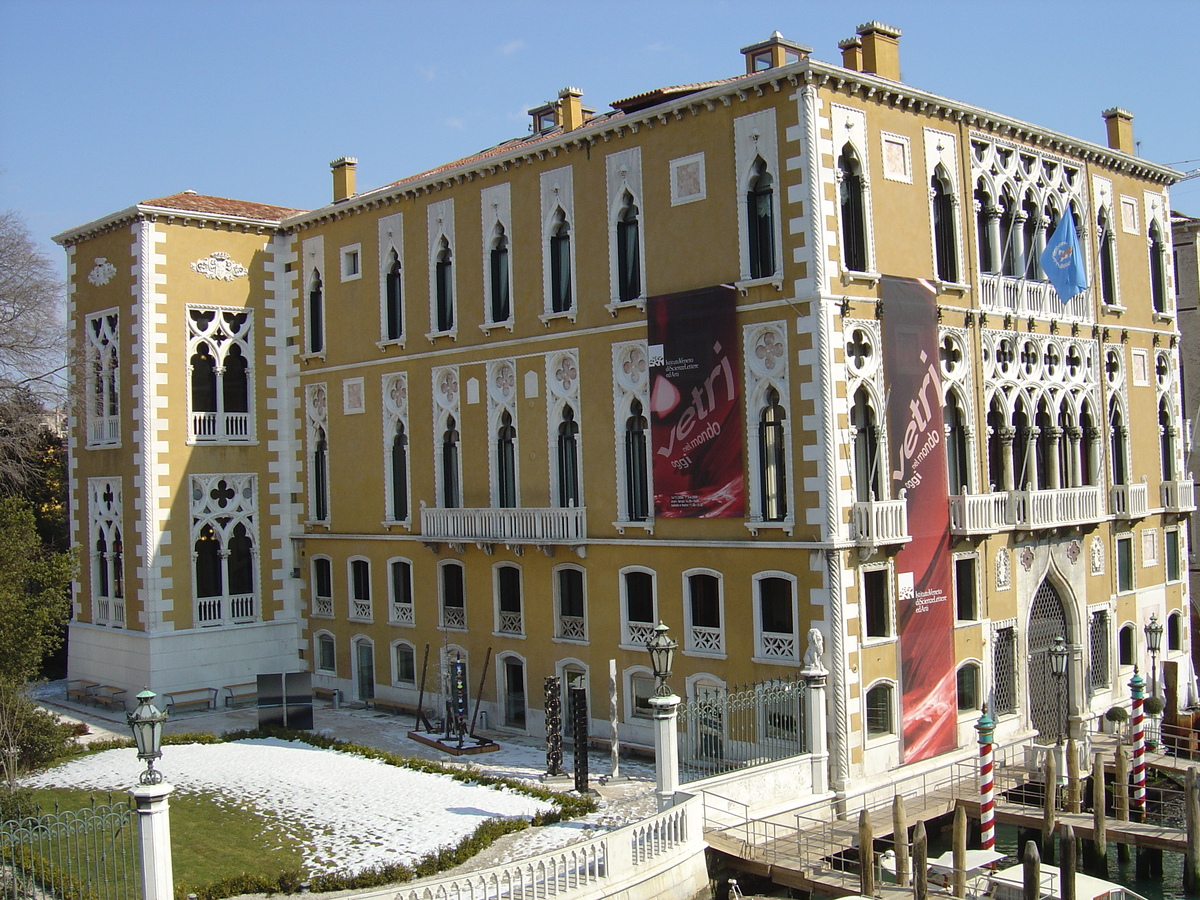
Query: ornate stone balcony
pixel 1022 297
pixel 514 527
pixel 1033 510
pixel 1130 501
pixel 978 513
pixel 1178 496
pixel 874 523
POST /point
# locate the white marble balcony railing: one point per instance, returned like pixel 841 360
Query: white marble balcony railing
pixel 1055 508
pixel 1021 297
pixel 518 525
pixel 978 513
pixel 1178 496
pixel 877 522
pixel 1130 501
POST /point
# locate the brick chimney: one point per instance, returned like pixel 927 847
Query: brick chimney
pixel 1120 129
pixel 880 49
pixel 852 53
pixel 570 108
pixel 343 177
pixel 772 53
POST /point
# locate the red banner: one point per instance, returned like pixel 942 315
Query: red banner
pixel 695 406
pixel 924 579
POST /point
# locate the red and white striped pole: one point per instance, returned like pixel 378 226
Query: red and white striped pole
pixel 1137 687
pixel 986 726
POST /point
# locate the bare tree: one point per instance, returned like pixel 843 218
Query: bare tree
pixel 32 346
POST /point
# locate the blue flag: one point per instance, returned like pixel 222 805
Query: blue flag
pixel 1062 260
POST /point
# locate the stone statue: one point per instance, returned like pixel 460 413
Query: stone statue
pixel 816 649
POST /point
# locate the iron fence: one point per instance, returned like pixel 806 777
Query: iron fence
pixel 87 854
pixel 720 730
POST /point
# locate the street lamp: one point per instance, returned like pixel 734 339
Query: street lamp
pixel 1058 668
pixel 146 722
pixel 662 654
pixel 1154 631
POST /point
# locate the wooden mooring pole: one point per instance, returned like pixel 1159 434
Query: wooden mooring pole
pixel 1066 862
pixel 958 843
pixel 1073 792
pixel 1191 856
pixel 900 840
pixel 1096 859
pixel 1121 795
pixel 920 862
pixel 866 854
pixel 1048 811
pixel 1032 862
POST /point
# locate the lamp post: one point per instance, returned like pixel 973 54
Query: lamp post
pixel 150 797
pixel 665 705
pixel 1154 632
pixel 1058 668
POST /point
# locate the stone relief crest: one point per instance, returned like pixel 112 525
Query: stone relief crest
pixel 220 266
pixel 1003 570
pixel 102 273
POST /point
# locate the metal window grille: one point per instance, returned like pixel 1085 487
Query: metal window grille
pixel 1004 664
pixel 1099 638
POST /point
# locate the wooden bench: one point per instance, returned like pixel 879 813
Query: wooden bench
pixel 395 707
pixel 203 698
pixel 80 689
pixel 332 695
pixel 241 694
pixel 108 696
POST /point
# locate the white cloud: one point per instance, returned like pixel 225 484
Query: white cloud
pixel 512 47
pixel 457 124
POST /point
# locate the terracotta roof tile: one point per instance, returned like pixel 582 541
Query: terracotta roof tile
pixel 189 201
pixel 662 94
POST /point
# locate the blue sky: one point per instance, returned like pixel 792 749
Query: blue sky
pixel 103 104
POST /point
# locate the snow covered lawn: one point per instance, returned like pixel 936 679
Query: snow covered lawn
pixel 351 812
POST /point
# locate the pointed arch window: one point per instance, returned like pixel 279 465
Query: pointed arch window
pixel 568 459
pixel 393 299
pixel 1012 261
pixel 204 380
pixel 223 549
pixel 316 314
pixel 1032 233
pixel 997 425
pixel 772 459
pixel 760 221
pixel 853 209
pixel 1118 455
pixel 506 462
pixel 451 497
pixel 944 243
pixel 219 343
pixel 560 263
pixel 1158 269
pixel 501 307
pixel 444 287
pixel 103 406
pixel 1166 438
pixel 1108 260
pixel 398 474
pixel 958 468
pixel 637 481
pixel 629 263
pixel 320 477
pixel 986 232
pixel 867 477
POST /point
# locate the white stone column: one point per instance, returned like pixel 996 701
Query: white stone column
pixel 816 728
pixel 666 748
pixel 154 838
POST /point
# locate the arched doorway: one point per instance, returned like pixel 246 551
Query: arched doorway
pixel 1049 702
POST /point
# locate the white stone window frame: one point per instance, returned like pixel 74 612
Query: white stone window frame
pixel 676 166
pixel 1117 538
pixel 1149 547
pixel 317 660
pixel 1129 214
pixel 690 647
pixel 623 171
pixel 632 714
pixel 755 136
pixel 316 404
pixel 850 127
pixel 631 381
pixel 395 412
pixel 905 144
pixel 497 615
pixel 106 519
pixel 941 152
pixel 556 611
pixel 103 429
pixel 501 663
pixel 312 262
pixel 562 390
pixel 397 682
pixel 221 341
pixel 1158 214
pixel 1139 366
pixel 1103 202
pixel 892 736
pixel 446 396
pixel 391 240
pixel 628 641
pixel 440 221
pixel 890 590
pixel 441 593
pixel 351 268
pixel 971 714
pixel 990 674
pixel 756 601
pixel 354 396
pixel 224 519
pixel 352 614
pixel 766 370
pixel 502 398
pixel 496 210
pixel 316 613
pixel 1177 534
pixel 977 601
pixel 405 618
pixel 558 194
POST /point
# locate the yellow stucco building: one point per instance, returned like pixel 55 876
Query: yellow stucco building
pixel 450 417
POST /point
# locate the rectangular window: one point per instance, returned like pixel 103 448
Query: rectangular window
pixel 1004 666
pixel 965 593
pixel 360 589
pixel 572 625
pixel 1099 638
pixel 406 665
pixel 1124 564
pixel 508 589
pixel 454 611
pixel 968 688
pixel 322 587
pixel 639 607
pixel 877 609
pixel 642 689
pixel 401 587
pixel 1172 554
pixel 352 262
pixel 326 657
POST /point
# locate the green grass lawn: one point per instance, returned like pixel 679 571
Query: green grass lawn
pixel 210 839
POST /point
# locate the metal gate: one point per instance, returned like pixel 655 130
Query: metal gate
pixel 723 730
pixel 76 854
pixel 1049 701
